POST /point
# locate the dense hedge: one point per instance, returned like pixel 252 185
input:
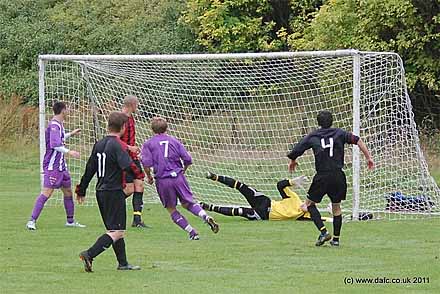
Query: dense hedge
pixel 408 27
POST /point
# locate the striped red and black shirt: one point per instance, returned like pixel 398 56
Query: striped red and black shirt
pixel 129 136
pixel 109 161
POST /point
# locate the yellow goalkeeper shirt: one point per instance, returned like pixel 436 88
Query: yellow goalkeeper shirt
pixel 288 208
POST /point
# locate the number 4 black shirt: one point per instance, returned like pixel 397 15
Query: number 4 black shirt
pixel 328 148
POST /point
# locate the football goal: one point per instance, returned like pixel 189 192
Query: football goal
pixel 239 114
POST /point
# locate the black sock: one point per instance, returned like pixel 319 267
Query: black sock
pixel 316 217
pixel 223 210
pixel 103 243
pixel 137 206
pixel 206 206
pixel 245 212
pixel 230 182
pixel 337 224
pixel 119 249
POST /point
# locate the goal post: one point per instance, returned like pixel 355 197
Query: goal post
pixel 41 115
pixel 356 130
pixel 239 114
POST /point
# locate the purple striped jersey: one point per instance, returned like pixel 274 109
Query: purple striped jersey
pixel 54 160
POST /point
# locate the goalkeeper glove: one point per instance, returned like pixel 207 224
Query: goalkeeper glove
pixel 299 181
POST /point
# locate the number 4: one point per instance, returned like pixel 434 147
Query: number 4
pixel 165 154
pixel 329 145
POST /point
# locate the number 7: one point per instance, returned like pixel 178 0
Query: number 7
pixel 166 147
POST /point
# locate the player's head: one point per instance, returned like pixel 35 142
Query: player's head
pixel 325 119
pixel 131 102
pixel 116 122
pixel 59 108
pixel 159 125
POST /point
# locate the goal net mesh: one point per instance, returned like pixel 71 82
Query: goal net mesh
pixel 239 116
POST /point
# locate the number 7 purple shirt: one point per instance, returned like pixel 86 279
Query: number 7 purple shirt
pixel 166 155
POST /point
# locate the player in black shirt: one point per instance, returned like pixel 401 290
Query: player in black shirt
pixel 109 161
pixel 328 147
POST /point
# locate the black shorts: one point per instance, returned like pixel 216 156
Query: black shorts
pixel 257 200
pixel 129 177
pixel 262 206
pixel 334 184
pixel 112 208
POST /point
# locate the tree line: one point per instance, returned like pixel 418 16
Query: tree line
pixel 410 28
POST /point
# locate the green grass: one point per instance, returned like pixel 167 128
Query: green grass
pixel 245 257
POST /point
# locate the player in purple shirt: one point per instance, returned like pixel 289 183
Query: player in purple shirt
pixel 169 160
pixel 56 174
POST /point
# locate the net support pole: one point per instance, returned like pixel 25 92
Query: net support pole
pixel 42 114
pixel 96 130
pixel 356 131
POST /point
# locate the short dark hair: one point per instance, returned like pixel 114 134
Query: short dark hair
pixel 325 119
pixel 58 107
pixel 116 120
pixel 159 125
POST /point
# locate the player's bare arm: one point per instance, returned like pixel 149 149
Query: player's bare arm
pixel 65 151
pixel 296 152
pixel 74 154
pixel 366 153
pixel 292 165
pixel 150 179
pixel 91 168
pixel 134 149
pixel 73 133
pixel 185 167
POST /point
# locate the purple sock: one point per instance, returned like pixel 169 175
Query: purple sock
pixel 69 207
pixel 38 207
pixel 181 221
pixel 197 210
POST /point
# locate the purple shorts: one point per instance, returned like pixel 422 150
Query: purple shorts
pixel 169 189
pixel 56 179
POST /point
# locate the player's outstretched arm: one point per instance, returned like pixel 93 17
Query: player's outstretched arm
pixel 150 179
pixel 281 185
pixel 72 133
pixel 73 153
pixel 147 162
pixel 57 143
pixel 292 165
pixel 90 171
pixel 65 151
pixel 297 182
pixel 185 167
pixel 185 156
pixel 134 149
pixel 366 153
pixel 297 151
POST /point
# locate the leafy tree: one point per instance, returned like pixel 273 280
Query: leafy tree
pixel 234 25
pixel 408 27
pixel 29 28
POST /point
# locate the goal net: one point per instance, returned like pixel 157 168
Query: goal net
pixel 239 114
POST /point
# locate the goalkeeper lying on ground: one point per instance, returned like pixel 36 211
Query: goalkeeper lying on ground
pixel 263 208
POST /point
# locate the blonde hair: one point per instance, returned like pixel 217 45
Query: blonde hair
pixel 129 100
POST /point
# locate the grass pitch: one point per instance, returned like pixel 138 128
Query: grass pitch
pixel 244 257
